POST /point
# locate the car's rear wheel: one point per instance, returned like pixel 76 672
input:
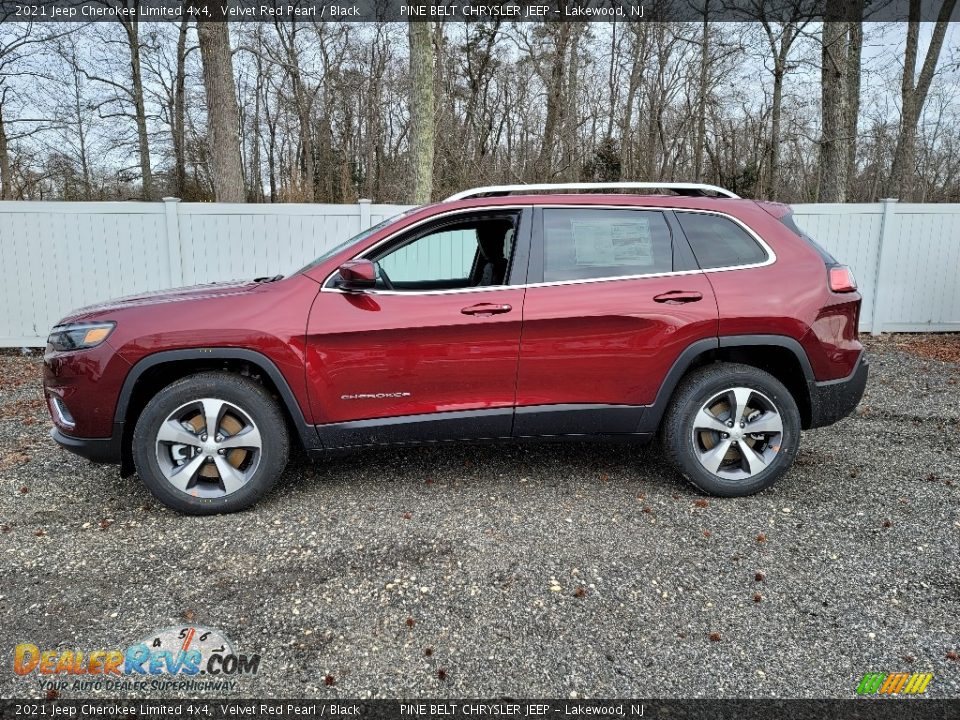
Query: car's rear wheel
pixel 731 429
pixel 210 443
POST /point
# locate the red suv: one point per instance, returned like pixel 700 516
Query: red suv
pixel 500 313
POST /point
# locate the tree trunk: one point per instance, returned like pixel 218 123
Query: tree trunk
pixel 638 56
pixel 303 102
pixel 773 182
pixel 222 115
pixel 133 41
pixel 552 123
pixel 422 128
pixel 78 109
pixel 833 139
pixel 6 176
pixel 570 171
pixel 304 111
pixel 854 51
pixel 914 95
pixel 179 112
pixel 702 91
pixel 256 169
pixel 780 45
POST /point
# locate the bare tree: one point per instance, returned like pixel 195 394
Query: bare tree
pixel 781 24
pixel 914 94
pixel 854 71
pixel 72 116
pixel 126 96
pixel 834 141
pixel 422 126
pixel 6 176
pixel 703 91
pixel 288 33
pixel 223 120
pixel 12 48
pixel 131 28
pixel 331 112
pixel 19 45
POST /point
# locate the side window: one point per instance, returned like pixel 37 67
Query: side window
pixel 719 242
pixel 587 243
pixel 446 255
pixel 453 255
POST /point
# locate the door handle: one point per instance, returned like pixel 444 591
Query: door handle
pixel 484 309
pixel 675 297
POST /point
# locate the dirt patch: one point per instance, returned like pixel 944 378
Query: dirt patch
pixel 17 371
pixel 25 409
pixel 944 347
pixel 13 459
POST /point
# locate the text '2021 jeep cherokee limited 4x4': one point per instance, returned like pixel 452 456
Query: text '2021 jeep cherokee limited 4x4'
pixel 504 312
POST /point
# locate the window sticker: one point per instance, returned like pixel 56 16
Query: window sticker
pixel 602 243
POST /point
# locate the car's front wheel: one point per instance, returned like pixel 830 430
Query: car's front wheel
pixel 210 443
pixel 732 430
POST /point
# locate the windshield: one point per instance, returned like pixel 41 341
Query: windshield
pixel 355 239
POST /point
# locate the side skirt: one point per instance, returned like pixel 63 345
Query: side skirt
pixel 575 422
pixel 432 427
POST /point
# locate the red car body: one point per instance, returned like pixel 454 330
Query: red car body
pixel 530 358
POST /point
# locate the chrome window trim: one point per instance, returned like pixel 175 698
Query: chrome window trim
pixel 460 211
pixel 771 255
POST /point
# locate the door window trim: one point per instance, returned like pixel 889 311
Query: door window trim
pixel 538 256
pixel 771 256
pixel 518 263
pixel 536 252
pixel 529 248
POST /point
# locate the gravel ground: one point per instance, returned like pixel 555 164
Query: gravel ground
pixel 517 570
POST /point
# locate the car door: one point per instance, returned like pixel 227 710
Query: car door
pixel 614 298
pixel 429 353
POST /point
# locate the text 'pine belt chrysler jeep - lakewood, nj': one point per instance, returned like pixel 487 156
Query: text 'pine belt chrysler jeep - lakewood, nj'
pixel 537 311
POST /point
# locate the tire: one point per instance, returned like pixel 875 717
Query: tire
pixel 194 473
pixel 695 442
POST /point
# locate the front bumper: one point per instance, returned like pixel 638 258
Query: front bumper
pixel 835 399
pixel 99 450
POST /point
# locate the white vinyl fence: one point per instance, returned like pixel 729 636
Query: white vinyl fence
pixel 906 258
pixel 57 256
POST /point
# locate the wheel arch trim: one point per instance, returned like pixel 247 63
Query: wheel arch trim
pixel 698 348
pixel 307 432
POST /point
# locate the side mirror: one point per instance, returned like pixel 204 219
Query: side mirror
pixel 357 275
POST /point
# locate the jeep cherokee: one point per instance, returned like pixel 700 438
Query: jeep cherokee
pixel 501 313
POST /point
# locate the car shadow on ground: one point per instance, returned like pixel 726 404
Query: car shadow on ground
pixel 493 462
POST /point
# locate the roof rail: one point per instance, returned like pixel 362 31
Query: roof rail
pixel 679 188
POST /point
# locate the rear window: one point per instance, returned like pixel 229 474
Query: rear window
pixel 719 242
pixel 587 243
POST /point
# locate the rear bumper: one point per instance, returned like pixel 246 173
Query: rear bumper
pixel 99 450
pixel 835 399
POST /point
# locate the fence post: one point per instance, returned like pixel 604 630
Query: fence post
pixel 170 206
pixel 364 205
pixel 876 322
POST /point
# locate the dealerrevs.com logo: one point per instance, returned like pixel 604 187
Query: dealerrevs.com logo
pixel 894 683
pixel 175 658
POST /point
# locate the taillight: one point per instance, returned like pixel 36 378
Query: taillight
pixel 842 280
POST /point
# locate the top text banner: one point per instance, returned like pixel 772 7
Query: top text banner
pixel 467 10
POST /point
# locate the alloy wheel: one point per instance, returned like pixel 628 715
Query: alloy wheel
pixel 737 433
pixel 208 448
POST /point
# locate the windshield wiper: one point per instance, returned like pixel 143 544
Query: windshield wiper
pixel 268 279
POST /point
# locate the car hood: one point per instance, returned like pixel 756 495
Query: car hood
pixel 194 292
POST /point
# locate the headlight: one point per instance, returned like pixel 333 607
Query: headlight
pixel 79 336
